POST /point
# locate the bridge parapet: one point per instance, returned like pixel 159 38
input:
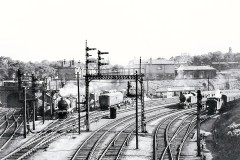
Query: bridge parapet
pixel 9 96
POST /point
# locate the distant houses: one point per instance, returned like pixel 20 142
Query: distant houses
pixel 68 70
pixel 162 69
pixel 153 69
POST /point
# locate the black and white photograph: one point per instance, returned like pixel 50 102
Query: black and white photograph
pixel 119 80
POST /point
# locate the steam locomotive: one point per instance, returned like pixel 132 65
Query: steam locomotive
pixel 187 100
pixel 66 106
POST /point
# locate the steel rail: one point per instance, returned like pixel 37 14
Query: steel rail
pixel 128 135
pixel 179 128
pixel 158 128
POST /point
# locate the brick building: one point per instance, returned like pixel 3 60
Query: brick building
pixel 195 72
pixel 69 69
pixel 159 69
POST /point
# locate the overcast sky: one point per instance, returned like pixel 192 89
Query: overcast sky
pixel 35 30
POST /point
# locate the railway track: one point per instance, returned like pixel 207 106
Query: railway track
pixel 115 147
pixel 171 135
pixel 161 139
pixel 56 130
pixel 191 128
pixel 13 123
pixel 94 146
pixel 46 135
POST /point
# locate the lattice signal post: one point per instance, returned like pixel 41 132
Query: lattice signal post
pixel 98 76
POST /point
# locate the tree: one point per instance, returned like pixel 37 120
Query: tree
pixel 196 60
pixel 42 70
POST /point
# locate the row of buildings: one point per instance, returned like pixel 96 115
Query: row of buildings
pixel 153 69
pixel 161 69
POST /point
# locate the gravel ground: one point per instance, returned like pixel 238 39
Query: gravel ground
pixel 66 145
pixel 20 140
pixel 190 149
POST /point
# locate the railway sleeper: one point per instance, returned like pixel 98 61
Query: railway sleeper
pixel 83 154
pixel 85 148
pixel 166 156
pixel 159 140
pixel 160 146
pixel 114 148
pixel 112 152
pixel 174 145
pixel 80 157
pixel 118 144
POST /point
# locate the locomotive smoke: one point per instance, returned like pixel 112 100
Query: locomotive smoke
pixel 71 90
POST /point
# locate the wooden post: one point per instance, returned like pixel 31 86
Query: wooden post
pixel 136 110
pixel 25 114
pixel 79 116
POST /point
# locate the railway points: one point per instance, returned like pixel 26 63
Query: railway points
pixel 49 149
pixel 119 119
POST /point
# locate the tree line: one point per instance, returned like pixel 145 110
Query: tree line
pixel 207 59
pixel 8 68
pixel 45 68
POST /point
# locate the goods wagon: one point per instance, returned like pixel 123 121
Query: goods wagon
pixel 110 100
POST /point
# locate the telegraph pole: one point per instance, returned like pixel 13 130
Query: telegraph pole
pixel 136 110
pixel 25 113
pixel 20 89
pixel 199 105
pixel 34 97
pixel 87 91
pixel 52 103
pixel 43 99
pixel 79 116
pixel 142 100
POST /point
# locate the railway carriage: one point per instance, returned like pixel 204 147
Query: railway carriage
pixel 213 104
pixel 210 98
pixel 221 103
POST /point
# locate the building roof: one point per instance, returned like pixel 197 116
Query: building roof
pixel 175 89
pixel 194 68
pixel 225 62
pixel 159 61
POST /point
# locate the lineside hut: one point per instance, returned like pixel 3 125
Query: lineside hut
pixel 172 92
pixel 195 72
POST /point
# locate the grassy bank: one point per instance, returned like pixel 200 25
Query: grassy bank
pixel 227 135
